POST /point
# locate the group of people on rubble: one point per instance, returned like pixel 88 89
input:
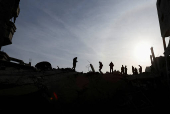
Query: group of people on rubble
pixel 123 69
pixel 101 65
pixel 135 71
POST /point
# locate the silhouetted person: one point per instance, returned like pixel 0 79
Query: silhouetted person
pixel 133 70
pixel 125 70
pixel 122 70
pixel 136 71
pixel 111 67
pixel 100 66
pixel 140 69
pixel 74 63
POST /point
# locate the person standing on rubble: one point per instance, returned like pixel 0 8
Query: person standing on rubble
pixel 74 63
pixel 140 69
pixel 136 71
pixel 122 70
pixel 125 70
pixel 111 67
pixel 133 70
pixel 100 66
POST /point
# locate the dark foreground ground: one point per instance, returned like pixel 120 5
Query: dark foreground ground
pixel 130 99
pixel 134 101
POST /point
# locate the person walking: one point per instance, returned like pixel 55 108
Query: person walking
pixel 74 63
pixel 100 66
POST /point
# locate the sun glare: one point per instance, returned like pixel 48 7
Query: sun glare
pixel 142 52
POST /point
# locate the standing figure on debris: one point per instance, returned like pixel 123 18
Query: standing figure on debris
pixel 125 70
pixel 100 66
pixel 133 70
pixel 122 70
pixel 74 63
pixel 140 69
pixel 111 67
pixel 136 71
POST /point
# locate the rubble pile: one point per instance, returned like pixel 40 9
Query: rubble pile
pixel 79 91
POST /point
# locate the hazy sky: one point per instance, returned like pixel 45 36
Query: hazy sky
pixel 121 31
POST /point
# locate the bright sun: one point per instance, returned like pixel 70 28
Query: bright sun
pixel 142 51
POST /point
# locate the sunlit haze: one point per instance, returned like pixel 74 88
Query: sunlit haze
pixel 121 31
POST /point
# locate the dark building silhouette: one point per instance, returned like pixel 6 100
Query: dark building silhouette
pixel 164 17
pixel 9 12
pixel 161 65
pixel 164 22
